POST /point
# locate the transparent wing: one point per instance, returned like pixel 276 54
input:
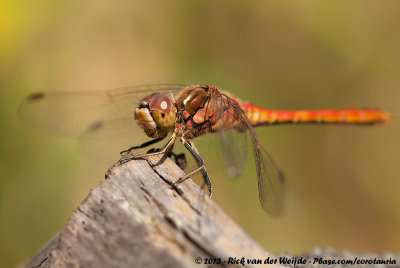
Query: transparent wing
pixel 271 181
pixel 90 114
pixel 233 151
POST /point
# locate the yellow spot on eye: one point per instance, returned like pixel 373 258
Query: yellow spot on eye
pixel 164 105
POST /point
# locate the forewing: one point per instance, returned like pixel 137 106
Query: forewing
pixel 271 181
pixel 83 113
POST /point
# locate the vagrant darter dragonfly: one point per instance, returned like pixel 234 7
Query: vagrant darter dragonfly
pixel 184 113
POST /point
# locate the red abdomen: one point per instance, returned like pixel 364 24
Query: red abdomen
pixel 260 116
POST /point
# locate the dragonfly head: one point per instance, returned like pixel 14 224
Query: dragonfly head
pixel 156 115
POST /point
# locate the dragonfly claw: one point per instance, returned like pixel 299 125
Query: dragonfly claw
pixel 208 187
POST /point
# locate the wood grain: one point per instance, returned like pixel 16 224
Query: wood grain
pixel 137 217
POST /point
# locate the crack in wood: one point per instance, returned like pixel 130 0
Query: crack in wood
pixel 129 224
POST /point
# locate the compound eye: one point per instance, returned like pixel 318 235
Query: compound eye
pixel 160 102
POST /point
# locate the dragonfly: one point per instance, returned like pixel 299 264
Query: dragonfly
pixel 182 112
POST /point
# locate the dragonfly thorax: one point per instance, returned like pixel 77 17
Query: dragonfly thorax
pixel 156 115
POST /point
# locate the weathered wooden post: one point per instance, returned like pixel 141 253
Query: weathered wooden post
pixel 138 218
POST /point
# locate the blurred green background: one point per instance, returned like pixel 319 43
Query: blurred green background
pixel 343 182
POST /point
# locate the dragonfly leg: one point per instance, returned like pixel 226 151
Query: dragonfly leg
pixel 190 146
pixel 182 179
pixel 179 159
pixel 163 150
pixel 143 145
